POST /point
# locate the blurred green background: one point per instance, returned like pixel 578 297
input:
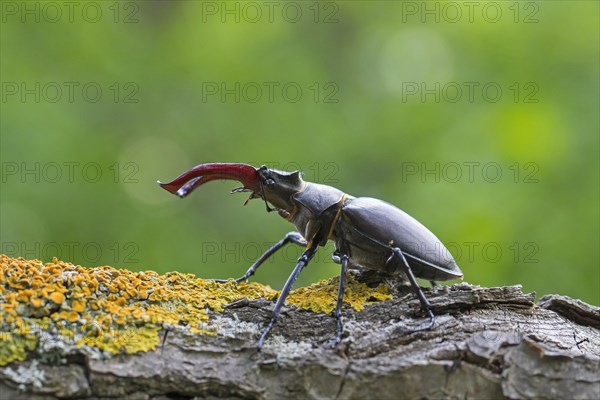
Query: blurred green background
pixel 479 119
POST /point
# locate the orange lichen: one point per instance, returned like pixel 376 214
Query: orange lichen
pixel 72 316
pixel 37 302
pixel 78 305
pixel 103 302
pixel 57 297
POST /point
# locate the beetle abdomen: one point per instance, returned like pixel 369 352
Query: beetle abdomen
pixel 388 226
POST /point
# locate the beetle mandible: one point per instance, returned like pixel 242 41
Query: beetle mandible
pixel 369 234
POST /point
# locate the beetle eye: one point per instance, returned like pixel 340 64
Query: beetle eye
pixel 270 183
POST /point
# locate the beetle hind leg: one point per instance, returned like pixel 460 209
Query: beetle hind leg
pixel 425 304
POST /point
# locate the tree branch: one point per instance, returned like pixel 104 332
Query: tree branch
pixel 487 343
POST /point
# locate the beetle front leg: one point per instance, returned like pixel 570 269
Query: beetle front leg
pixel 290 237
pixel 413 281
pixel 302 262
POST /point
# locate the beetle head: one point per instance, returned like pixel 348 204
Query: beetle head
pixel 277 187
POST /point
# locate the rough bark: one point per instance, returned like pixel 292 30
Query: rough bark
pixel 486 343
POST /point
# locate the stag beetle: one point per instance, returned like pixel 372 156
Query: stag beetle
pixel 369 234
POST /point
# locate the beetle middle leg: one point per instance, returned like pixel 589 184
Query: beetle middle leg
pixel 338 306
pixel 413 281
pixel 290 237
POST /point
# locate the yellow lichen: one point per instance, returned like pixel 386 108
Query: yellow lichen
pixel 131 340
pixel 121 311
pixel 15 347
pixel 322 296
